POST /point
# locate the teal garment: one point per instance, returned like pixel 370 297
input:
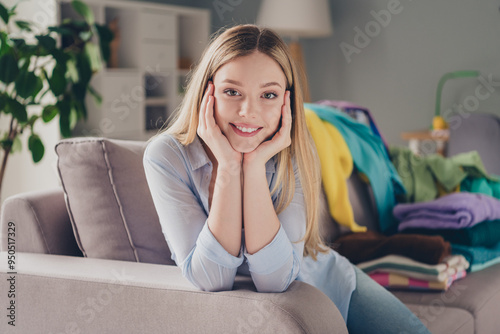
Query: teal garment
pixel 482 185
pixel 484 234
pixel 370 158
pixel 478 257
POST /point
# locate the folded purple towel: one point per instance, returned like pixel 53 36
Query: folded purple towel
pixel 454 211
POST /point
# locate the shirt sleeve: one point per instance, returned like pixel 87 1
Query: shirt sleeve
pixel 204 262
pixel 274 267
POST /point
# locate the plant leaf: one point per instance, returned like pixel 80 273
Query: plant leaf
pixel 73 115
pixel 82 9
pixel 4 45
pixel 8 68
pixel 82 109
pixel 3 102
pixel 18 42
pixel 17 110
pixel 85 35
pixel 36 147
pixel 47 42
pixel 26 84
pixel 84 69
pixel 71 70
pixel 79 91
pixel 32 120
pixel 5 142
pixel 38 87
pixel 93 55
pixel 17 145
pixel 60 56
pixel 64 111
pixel 4 14
pixel 60 30
pixel 24 25
pixel 57 81
pixel 24 63
pixel 97 97
pixel 49 112
pixel 12 10
pixel 105 37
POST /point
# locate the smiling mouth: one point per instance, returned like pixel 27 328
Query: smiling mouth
pixel 245 132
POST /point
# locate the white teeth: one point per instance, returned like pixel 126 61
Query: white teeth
pixel 246 129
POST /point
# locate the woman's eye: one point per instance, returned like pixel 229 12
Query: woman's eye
pixel 270 95
pixel 231 92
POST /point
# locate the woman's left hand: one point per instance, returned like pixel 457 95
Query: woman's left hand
pixel 281 139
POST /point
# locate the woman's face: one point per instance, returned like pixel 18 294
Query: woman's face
pixel 249 93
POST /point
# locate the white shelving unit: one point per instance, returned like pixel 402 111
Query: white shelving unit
pixel 147 86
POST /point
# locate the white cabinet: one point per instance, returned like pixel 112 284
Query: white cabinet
pixel 157 45
pixel 159 55
pixel 160 25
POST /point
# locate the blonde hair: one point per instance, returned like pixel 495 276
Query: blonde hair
pixel 240 41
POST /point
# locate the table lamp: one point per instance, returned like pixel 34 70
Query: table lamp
pixel 297 19
pixel 438 122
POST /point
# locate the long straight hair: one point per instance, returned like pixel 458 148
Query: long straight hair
pixel 239 41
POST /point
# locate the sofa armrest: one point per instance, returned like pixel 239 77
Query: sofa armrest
pixel 42 223
pixel 82 295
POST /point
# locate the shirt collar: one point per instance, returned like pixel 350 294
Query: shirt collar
pixel 199 158
pixel 196 154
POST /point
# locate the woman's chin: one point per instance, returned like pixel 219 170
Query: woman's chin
pixel 243 148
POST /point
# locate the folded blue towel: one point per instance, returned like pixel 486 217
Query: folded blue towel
pixel 453 211
pixel 478 257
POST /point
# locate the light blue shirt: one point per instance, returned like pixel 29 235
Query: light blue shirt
pixel 179 178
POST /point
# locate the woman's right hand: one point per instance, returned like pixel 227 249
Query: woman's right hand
pixel 210 132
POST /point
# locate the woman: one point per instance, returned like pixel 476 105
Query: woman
pixel 236 182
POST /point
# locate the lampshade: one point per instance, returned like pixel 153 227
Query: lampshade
pixel 296 18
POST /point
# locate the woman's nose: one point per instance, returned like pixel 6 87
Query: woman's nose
pixel 248 109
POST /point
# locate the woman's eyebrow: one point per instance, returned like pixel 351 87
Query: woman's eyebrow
pixel 272 83
pixel 234 82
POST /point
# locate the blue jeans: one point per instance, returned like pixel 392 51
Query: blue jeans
pixel 373 309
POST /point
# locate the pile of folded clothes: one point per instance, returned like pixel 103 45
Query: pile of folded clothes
pixel 469 221
pixel 394 271
pixel 404 261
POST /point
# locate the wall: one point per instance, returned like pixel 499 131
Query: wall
pixel 395 74
pixel 396 71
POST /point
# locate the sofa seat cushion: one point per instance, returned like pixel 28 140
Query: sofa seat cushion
pixel 108 200
pixel 445 320
pixel 478 294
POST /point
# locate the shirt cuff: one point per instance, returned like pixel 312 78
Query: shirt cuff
pixel 209 247
pixel 273 256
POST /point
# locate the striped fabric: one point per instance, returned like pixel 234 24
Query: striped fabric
pixel 391 280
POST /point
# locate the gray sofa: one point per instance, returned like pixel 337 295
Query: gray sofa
pixel 58 290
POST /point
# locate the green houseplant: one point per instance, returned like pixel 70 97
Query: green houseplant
pixel 51 70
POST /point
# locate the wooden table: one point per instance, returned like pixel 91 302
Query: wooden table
pixel 439 138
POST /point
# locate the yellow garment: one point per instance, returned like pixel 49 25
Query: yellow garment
pixel 443 192
pixel 336 168
pixel 363 178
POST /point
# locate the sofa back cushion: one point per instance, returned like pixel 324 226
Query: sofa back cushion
pixel 108 200
pixel 363 206
pixel 477 132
